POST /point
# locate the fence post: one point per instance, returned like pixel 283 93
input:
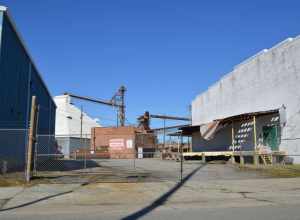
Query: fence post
pixel 31 138
pixel 181 157
pixel 255 155
pixel 242 160
pixel 35 158
pixel 232 143
pixel 203 158
pixel 85 151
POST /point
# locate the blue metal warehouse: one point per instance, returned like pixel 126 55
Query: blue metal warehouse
pixel 19 81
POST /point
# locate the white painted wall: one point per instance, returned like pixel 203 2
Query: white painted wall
pixel 68 119
pixel 265 81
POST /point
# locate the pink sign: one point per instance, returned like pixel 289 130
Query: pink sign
pixel 116 144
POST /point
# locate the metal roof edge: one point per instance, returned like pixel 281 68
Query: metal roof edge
pixel 246 61
pixel 251 58
pixel 13 24
pixel 3 8
pixel 255 113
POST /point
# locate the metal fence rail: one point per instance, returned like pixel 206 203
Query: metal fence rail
pixel 66 155
pixel 72 155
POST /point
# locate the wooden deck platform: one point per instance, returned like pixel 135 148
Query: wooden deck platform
pixel 230 153
pixel 266 158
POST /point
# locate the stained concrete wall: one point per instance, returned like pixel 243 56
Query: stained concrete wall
pixel 265 81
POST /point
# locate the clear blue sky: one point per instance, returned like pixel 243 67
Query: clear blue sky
pixel 164 51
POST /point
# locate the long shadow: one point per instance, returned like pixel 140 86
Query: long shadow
pixel 35 201
pixel 161 200
pixel 65 165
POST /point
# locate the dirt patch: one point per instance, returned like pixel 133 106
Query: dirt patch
pixel 18 179
pixel 287 171
pixel 6 182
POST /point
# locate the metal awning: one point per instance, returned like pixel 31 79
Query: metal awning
pixel 208 130
pixel 246 116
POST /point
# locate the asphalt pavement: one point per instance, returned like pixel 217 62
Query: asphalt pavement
pixel 208 191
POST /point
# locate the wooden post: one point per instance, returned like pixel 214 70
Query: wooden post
pixel 35 159
pixel 81 119
pixel 255 157
pixel 31 138
pixel 164 135
pixel 242 160
pixel 232 143
pixel 189 144
pixel 203 158
pixel 181 157
pixel 178 144
pixel 274 161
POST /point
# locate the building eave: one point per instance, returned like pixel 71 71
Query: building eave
pixel 247 115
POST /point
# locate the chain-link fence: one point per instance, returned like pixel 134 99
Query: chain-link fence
pixel 74 154
pixel 61 153
pixel 65 155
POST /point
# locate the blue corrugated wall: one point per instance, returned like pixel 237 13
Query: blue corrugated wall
pixel 1 19
pixel 19 81
pixel 14 66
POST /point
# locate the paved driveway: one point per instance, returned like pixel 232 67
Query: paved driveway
pixel 211 191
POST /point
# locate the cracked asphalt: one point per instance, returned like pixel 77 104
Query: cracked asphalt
pixel 211 191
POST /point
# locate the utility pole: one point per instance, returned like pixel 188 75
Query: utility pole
pixel 35 159
pixel 164 137
pixel 118 118
pixel 81 117
pixel 31 138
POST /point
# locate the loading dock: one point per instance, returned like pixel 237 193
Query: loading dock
pixel 247 137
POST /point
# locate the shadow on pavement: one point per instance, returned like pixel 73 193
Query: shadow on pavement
pixel 35 201
pixel 65 165
pixel 161 200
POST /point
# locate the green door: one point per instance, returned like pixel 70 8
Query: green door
pixel 270 137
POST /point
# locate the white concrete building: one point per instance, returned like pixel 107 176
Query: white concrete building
pixel 68 125
pixel 267 86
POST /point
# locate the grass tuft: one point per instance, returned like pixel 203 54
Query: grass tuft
pixel 280 171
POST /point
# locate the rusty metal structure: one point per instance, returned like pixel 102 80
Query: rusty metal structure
pixel 170 150
pixel 144 121
pixel 117 100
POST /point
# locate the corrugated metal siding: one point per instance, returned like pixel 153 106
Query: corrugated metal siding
pixel 46 120
pixel 19 80
pixel 1 19
pixel 11 148
pixel 14 67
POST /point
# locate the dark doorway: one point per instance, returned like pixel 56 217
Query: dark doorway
pixel 270 137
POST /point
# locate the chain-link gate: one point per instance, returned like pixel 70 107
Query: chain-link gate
pixel 60 153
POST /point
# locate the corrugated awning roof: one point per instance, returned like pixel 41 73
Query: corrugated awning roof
pixel 247 115
pixel 210 128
